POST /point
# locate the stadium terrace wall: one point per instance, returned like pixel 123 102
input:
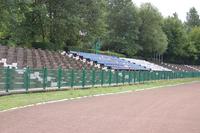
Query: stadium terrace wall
pixel 24 80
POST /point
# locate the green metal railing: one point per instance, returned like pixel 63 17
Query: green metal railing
pixel 29 79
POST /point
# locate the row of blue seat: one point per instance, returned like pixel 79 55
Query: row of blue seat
pixel 110 61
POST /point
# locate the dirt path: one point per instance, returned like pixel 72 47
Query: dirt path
pixel 169 110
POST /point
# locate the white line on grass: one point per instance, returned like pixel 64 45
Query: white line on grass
pixel 97 95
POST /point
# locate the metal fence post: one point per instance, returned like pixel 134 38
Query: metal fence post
pixel 159 75
pixel 129 77
pixel 139 76
pixel 117 76
pixel 134 74
pixel 176 74
pixel 142 76
pixel 27 78
pixel 167 75
pixel 150 75
pixel 164 77
pixel 145 76
pixel 184 75
pixel 102 77
pixel 83 77
pixel 7 79
pixel 59 77
pixel 93 77
pixel 154 75
pixel 172 75
pixel 123 76
pixel 72 78
pixel 44 78
pixel 110 77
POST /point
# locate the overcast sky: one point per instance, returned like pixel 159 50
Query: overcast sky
pixel 168 7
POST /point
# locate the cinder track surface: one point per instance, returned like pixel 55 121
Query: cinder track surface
pixel 167 110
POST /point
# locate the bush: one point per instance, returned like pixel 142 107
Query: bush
pixel 44 45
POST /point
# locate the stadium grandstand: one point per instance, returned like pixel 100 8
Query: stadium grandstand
pixel 36 68
pixel 18 57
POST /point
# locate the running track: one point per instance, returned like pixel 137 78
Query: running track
pixel 167 110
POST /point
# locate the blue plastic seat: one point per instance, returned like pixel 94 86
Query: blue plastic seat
pixel 110 61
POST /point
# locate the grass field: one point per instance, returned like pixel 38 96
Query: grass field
pixel 17 100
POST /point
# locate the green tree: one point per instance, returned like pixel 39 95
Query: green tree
pixel 192 18
pixel 123 24
pixel 194 38
pixel 53 23
pixel 75 23
pixel 30 27
pixel 177 38
pixel 151 38
pixel 93 26
pixel 6 17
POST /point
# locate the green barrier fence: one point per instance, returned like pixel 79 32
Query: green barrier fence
pixel 29 79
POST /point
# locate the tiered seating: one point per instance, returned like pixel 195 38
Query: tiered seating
pixel 151 66
pixel 196 67
pixel 29 59
pixel 3 51
pixel 20 57
pixel 37 58
pixel 12 55
pixel 176 67
pixel 109 61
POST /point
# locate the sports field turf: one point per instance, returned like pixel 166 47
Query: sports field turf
pixel 17 100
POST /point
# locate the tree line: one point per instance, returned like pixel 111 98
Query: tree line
pixel 120 26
